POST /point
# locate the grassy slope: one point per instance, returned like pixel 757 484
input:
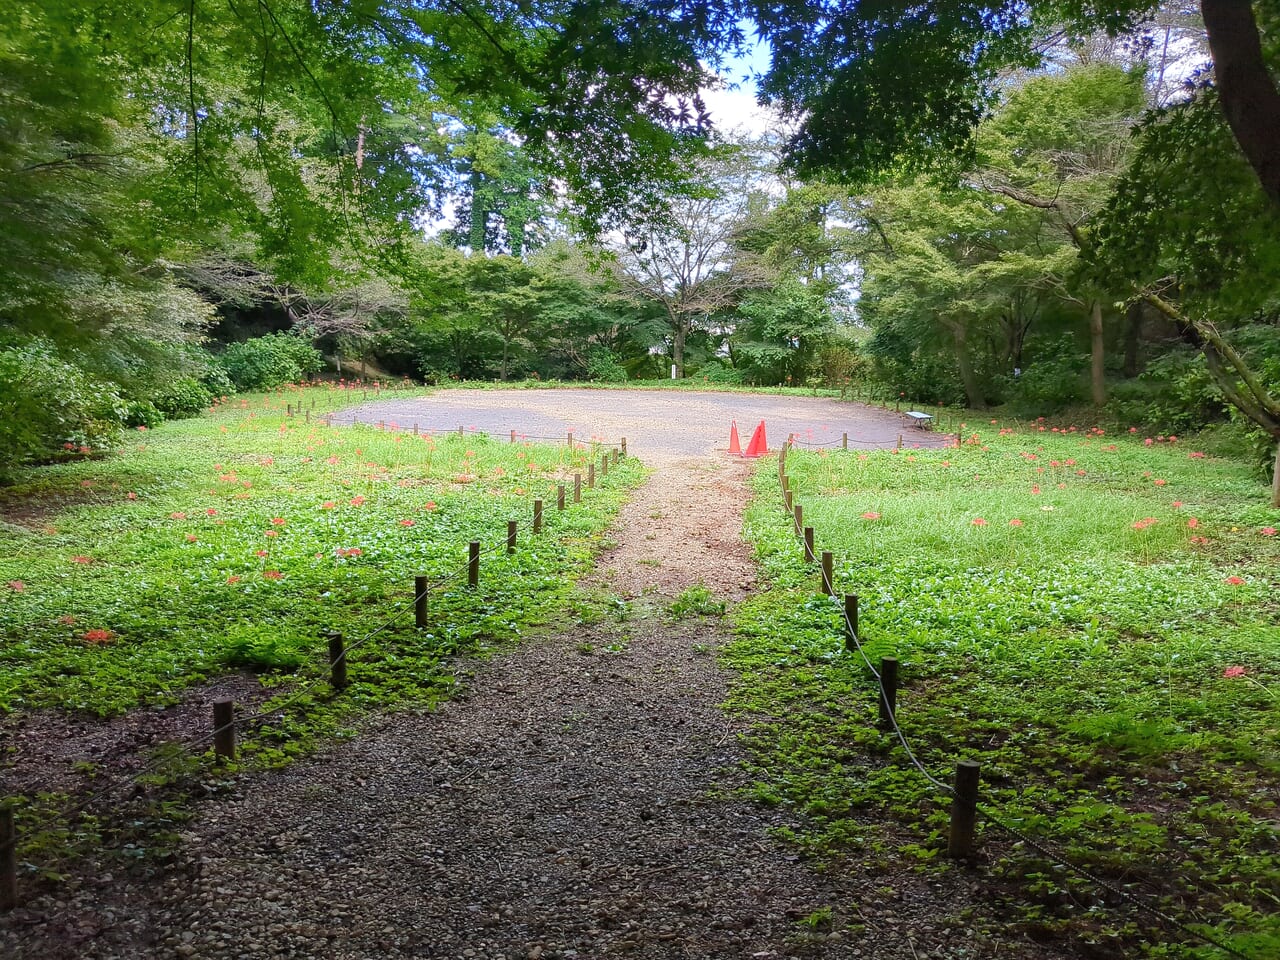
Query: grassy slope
pixel 1065 606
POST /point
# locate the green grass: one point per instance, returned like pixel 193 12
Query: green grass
pixel 1082 654
pixel 233 540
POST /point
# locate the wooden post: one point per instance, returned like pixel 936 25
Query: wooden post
pixel 307 416
pixel 615 455
pixel 513 436
pixel 604 465
pixel 337 661
pixel 288 409
pixel 537 516
pixel 560 496
pixel 420 585
pixel 415 429
pixel 845 442
pixel 577 488
pixel 808 545
pixel 888 691
pixel 570 439
pixel 473 564
pixel 850 620
pixel 964 810
pixel 787 498
pixel 591 475
pixel 8 859
pixel 461 432
pixel 798 513
pixel 512 529
pixel 899 441
pixel 624 446
pixel 382 425
pixel 224 729
pixel 828 572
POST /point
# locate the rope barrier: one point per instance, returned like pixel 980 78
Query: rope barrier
pixel 1043 847
pixel 155 765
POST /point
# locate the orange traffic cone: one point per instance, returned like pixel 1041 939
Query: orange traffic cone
pixel 734 445
pixel 758 445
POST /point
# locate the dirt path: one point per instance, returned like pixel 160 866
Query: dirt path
pixel 577 800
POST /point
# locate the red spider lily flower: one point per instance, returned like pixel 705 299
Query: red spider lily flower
pixel 1035 488
pixel 1172 438
pixel 1160 483
pixel 142 429
pixel 68 446
pixel 1144 523
pixel 1133 429
pixel 1148 442
pixel 1177 504
pixel 1195 455
pixel 81 558
pixel 67 620
pixel 1268 531
pixel 349 551
pixel 1199 541
pixel 191 538
pixel 267 461
pixel 177 516
pixel 357 500
pixel 278 521
pixel 332 461
pixel 871 515
pixel 246 484
pixel 406 523
pixel 1069 463
pixel 260 553
pixel 98 636
pixel 328 505
pixel 17 586
pixel 131 495
pixel 429 506
pixel 233 579
pixel 1055 463
pixel 978 522
pixel 1015 522
pixel 271 533
pixel 1193 523
pixel 86 483
pixel 273 574
pixel 211 512
pixel 1234 580
pixel 1232 672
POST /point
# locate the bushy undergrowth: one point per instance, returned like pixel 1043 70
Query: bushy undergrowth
pixel 1093 619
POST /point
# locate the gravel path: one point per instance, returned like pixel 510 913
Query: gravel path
pixel 578 799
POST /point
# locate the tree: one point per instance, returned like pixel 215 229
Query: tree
pixel 684 255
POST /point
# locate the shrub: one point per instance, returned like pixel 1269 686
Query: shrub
pixel 604 366
pixel 1049 383
pixel 271 361
pixel 47 403
pixel 717 372
pixel 184 397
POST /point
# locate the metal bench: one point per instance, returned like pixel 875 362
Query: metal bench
pixel 922 420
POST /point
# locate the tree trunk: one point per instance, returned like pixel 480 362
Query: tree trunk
pixel 1248 96
pixel 972 391
pixel 1133 338
pixel 1098 365
pixel 677 349
pixel 506 345
pixel 1275 479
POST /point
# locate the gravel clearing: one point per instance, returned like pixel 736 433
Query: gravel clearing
pixel 577 799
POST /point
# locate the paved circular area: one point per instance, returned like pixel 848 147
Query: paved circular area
pixel 656 423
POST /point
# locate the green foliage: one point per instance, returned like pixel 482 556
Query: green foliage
pixel 138 581
pixel 1057 379
pixel 184 397
pixel 603 366
pixel 696 601
pixel 265 363
pixel 1109 659
pixel 781 331
pixel 48 403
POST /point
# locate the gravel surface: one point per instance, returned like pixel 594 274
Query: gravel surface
pixel 578 799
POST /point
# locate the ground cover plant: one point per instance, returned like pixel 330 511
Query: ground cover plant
pixel 229 544
pixel 1092 618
